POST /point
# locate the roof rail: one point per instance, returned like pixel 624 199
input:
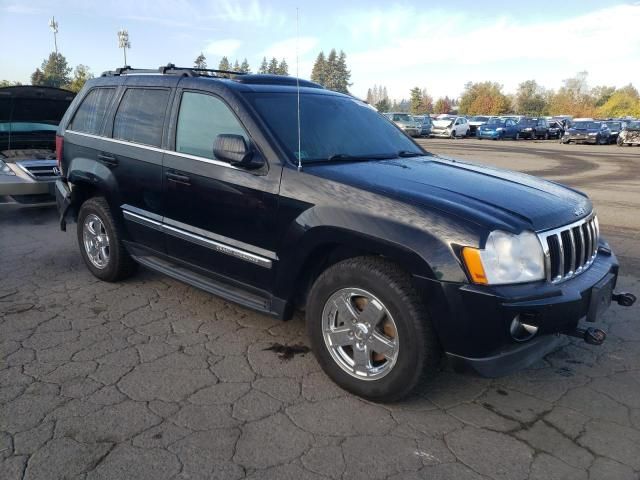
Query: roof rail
pixel 170 69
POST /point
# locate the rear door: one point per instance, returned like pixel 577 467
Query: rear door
pixel 134 155
pixel 219 218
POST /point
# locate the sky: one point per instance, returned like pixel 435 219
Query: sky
pixel 439 46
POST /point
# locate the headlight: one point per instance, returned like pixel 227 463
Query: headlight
pixel 593 134
pixel 528 129
pixel 499 129
pixel 506 258
pixel 5 170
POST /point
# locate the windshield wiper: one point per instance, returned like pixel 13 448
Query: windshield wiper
pixel 408 153
pixel 357 158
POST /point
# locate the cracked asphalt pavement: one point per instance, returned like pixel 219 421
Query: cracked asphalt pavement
pixel 150 378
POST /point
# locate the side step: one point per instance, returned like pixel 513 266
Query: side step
pixel 220 289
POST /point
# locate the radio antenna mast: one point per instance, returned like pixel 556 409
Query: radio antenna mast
pixel 298 91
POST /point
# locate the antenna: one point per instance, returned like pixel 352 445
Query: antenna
pixel 298 91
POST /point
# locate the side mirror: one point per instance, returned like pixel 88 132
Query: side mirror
pixel 234 149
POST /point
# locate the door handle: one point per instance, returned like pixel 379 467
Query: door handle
pixel 108 160
pixel 177 178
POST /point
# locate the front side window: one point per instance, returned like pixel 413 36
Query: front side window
pixel 89 117
pixel 140 116
pixel 201 119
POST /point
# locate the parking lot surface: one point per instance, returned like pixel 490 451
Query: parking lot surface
pixel 150 378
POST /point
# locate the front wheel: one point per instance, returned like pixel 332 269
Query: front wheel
pixel 619 142
pixel 453 134
pixel 369 329
pixel 100 242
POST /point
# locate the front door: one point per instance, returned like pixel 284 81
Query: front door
pixel 219 218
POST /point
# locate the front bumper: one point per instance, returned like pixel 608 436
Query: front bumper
pixel 25 191
pixel 488 134
pixel 473 321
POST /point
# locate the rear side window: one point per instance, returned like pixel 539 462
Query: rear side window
pixel 201 119
pixel 140 116
pixel 89 117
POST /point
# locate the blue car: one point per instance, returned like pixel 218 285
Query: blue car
pixel 498 129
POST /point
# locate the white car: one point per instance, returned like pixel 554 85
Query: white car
pixel 450 126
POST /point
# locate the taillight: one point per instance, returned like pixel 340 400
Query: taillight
pixel 59 147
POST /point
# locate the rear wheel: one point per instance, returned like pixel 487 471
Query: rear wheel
pixel 101 242
pixel 619 142
pixel 453 133
pixel 370 330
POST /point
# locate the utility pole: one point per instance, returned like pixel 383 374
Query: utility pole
pixel 53 25
pixel 123 43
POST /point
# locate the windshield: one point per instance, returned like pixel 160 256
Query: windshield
pixel 331 126
pixel 402 117
pixel 478 119
pixel 527 122
pixel 586 125
pixel 21 127
pixel 614 125
pixel 633 126
pixel 497 122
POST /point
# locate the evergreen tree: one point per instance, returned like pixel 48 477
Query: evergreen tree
pixel 415 100
pixel 224 64
pixel 273 66
pixel 383 105
pixel 200 61
pixel 343 74
pixel 54 72
pixel 369 98
pixel 264 66
pixel 330 71
pixel 318 73
pixel 283 68
pixel 236 66
pixel 244 67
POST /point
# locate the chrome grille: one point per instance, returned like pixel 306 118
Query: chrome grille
pixel 39 169
pixel 571 249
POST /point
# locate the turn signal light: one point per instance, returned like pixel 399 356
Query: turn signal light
pixel 473 262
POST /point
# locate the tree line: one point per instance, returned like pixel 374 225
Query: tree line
pixel 575 97
pixel 272 66
pixel 56 72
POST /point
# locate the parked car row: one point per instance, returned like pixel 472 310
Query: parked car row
pixel 517 127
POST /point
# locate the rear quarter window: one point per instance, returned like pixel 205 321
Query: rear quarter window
pixel 140 116
pixel 90 115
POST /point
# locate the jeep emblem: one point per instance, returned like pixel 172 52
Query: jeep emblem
pixel 578 211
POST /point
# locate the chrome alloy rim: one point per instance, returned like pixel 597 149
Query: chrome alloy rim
pixel 360 333
pixel 96 241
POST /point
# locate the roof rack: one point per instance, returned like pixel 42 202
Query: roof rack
pixel 170 69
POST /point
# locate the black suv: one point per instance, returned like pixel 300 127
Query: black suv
pixel 278 194
pixel 533 128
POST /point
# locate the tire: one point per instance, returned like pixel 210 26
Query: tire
pixel 389 292
pixel 517 136
pixel 546 136
pixel 109 261
pixel 619 142
pixel 453 134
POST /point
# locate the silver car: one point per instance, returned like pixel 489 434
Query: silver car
pixel 29 118
pixel 405 122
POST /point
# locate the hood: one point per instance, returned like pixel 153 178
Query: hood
pixel 491 197
pixel 573 131
pixel 442 123
pixel 491 127
pixel 402 123
pixel 29 115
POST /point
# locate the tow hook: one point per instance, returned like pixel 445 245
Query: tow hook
pixel 591 335
pixel 623 299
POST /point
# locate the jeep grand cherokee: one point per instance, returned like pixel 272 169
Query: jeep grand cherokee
pixel 278 194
